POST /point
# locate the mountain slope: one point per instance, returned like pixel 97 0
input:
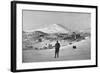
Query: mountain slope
pixel 53 28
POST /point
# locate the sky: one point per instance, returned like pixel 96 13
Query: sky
pixel 71 20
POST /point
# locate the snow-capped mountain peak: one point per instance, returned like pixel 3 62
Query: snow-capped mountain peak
pixel 53 28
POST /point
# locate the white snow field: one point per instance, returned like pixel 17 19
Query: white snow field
pixel 82 52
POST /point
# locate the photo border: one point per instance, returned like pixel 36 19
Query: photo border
pixel 14 34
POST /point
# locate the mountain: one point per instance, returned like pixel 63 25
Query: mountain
pixel 39 33
pixel 53 28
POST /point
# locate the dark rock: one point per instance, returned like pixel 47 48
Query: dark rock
pixel 74 47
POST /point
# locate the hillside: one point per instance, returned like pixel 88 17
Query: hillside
pixel 45 38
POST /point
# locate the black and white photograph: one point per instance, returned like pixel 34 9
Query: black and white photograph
pixel 47 36
pixel 55 36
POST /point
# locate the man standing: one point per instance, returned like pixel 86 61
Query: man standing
pixel 57 46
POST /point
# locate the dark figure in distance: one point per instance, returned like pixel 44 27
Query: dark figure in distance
pixel 57 46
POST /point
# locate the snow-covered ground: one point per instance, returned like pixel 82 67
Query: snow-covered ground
pixel 82 52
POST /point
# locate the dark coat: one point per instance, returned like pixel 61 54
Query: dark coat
pixel 57 46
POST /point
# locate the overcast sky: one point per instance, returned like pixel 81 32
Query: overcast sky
pixel 40 19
